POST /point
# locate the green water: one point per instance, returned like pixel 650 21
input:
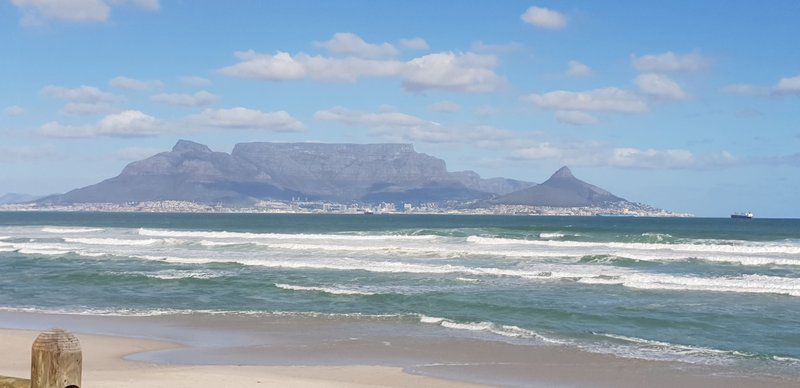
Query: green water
pixel 698 290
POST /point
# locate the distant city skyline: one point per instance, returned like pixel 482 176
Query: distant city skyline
pixel 687 106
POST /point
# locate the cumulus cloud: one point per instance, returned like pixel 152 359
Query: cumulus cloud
pixel 14 110
pixel 85 94
pixel 397 126
pixel 195 81
pixel 457 72
pixel 599 154
pixel 347 43
pixel 544 18
pixel 575 117
pixel 244 118
pixel 36 12
pixel 789 85
pixel 445 106
pixel 129 123
pixel 414 43
pixel 135 84
pixel 784 86
pixel 659 86
pixel 576 69
pixel 200 98
pixel 598 100
pixel 670 62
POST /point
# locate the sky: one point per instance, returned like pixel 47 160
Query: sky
pixel 685 105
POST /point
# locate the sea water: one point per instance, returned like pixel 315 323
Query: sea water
pixel 706 291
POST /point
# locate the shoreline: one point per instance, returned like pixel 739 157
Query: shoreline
pixel 169 350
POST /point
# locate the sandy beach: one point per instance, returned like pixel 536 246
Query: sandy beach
pixel 105 366
pixel 281 351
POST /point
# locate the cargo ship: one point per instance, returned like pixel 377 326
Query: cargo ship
pixel 747 215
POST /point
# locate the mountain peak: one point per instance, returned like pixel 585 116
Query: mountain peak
pixel 188 145
pixel 563 172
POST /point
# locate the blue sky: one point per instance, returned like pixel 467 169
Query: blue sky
pixel 690 106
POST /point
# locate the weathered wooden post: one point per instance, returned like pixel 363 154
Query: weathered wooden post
pixel 56 360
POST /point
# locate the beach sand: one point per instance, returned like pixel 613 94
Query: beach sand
pixel 104 366
pixel 199 350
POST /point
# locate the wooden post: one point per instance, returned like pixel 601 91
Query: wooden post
pixel 56 360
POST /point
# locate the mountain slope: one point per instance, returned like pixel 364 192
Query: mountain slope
pixel 339 172
pixel 561 190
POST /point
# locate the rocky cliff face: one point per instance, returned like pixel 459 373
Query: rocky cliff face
pixel 340 172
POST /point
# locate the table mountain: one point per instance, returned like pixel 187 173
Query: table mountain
pixel 337 172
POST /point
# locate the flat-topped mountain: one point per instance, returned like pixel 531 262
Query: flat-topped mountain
pixel 561 190
pixel 253 171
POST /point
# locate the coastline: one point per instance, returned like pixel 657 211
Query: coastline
pixel 188 350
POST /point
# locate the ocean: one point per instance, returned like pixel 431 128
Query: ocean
pixel 696 290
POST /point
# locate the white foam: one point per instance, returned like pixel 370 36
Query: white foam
pixel 744 284
pixel 115 241
pixel 173 274
pixel 734 246
pixel 546 235
pixel 55 230
pixel 326 290
pixel 489 327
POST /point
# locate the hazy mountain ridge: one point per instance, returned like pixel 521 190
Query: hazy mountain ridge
pixel 252 171
pixel 561 190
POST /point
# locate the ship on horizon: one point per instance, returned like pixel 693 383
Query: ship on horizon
pixel 746 215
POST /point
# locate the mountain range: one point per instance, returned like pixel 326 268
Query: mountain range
pixel 368 173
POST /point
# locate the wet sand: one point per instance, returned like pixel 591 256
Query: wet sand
pixel 202 350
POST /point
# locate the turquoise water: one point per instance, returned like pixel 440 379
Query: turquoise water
pixel 709 291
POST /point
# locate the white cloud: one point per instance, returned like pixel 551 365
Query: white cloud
pixel 200 98
pixel 660 86
pixel 195 81
pixel 347 43
pixel 454 72
pixel 35 12
pixel 86 108
pixel 135 84
pixel 149 5
pixel 385 119
pixel 397 126
pixel 243 118
pixel 651 158
pixel 789 85
pixel 86 94
pixel 598 100
pixel 576 117
pixel 14 110
pixel 544 18
pixel 461 72
pixel 670 62
pixel 445 106
pixel 414 43
pixel 576 69
pixel 129 123
pixel 785 86
pixel 599 154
